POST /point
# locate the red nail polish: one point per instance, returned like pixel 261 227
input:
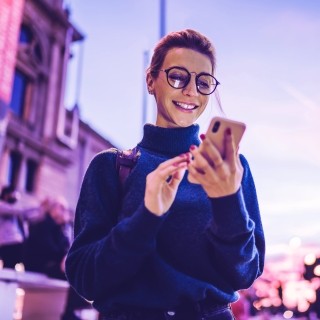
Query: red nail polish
pixel 192 147
pixel 202 136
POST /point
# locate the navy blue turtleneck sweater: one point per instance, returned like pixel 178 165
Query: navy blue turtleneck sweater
pixel 123 255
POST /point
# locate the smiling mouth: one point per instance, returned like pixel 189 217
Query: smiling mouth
pixel 185 106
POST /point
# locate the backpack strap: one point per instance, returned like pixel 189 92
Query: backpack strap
pixel 125 161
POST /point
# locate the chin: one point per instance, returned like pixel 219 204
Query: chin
pixel 184 123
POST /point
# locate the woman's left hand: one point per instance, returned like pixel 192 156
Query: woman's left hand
pixel 219 176
pixel 162 184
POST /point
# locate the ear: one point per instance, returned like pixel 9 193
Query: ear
pixel 150 83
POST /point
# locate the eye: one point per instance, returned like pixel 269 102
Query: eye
pixel 177 76
pixel 203 84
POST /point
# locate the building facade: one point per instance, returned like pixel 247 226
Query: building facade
pixel 46 147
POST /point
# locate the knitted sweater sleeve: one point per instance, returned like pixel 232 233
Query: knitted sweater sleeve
pixel 103 248
pixel 236 234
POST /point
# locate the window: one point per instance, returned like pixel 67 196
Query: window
pixel 31 175
pixel 19 90
pixel 25 35
pixel 27 74
pixel 27 39
pixel 14 168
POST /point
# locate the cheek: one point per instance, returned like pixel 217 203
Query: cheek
pixel 206 99
pixel 204 102
pixel 162 97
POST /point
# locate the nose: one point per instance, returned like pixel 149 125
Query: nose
pixel 191 88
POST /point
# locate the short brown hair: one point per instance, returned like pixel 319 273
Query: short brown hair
pixel 189 39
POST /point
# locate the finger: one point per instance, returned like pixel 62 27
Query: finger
pixel 212 154
pixel 177 177
pixel 231 156
pixel 200 177
pixel 200 162
pixel 232 153
pixel 184 157
pixel 194 173
pixel 238 162
pixel 169 167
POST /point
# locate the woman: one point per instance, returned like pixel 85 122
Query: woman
pixel 165 248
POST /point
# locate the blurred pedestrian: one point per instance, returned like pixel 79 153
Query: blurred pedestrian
pixel 13 228
pixel 48 242
pixel 47 246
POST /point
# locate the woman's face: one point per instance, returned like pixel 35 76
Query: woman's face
pixel 179 107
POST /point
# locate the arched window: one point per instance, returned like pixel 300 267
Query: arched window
pixel 30 42
pixel 30 60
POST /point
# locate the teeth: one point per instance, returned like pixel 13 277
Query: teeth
pixel 186 106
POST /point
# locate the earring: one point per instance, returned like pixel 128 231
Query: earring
pixel 150 91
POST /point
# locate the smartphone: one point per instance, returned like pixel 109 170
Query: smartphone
pixel 216 133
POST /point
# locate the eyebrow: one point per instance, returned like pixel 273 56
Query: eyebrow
pixel 182 67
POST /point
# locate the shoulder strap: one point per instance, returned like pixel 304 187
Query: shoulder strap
pixel 125 162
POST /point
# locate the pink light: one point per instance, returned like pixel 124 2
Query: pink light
pixel 10 19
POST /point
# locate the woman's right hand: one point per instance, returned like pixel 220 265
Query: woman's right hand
pixel 219 176
pixel 162 184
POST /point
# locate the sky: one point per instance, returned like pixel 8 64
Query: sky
pixel 268 63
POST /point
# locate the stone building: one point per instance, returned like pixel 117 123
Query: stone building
pixel 46 147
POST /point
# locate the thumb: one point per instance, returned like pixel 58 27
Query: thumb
pixel 177 177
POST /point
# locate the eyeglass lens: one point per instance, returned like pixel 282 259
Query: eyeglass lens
pixel 179 78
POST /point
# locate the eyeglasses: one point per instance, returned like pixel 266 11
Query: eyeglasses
pixel 179 78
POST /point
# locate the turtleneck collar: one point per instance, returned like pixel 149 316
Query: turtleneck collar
pixel 169 141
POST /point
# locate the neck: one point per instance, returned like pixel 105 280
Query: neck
pixel 169 141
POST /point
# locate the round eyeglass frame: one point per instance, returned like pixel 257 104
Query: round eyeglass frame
pixel 189 78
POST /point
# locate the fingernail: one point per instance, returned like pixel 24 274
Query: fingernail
pixel 202 136
pixel 228 131
pixel 182 155
pixel 192 147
